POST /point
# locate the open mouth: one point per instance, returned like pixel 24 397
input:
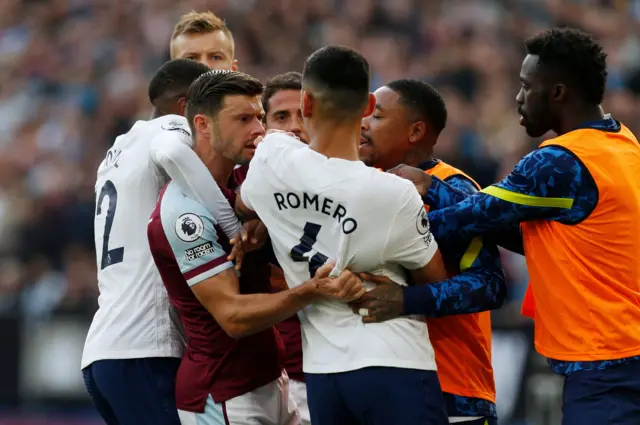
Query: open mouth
pixel 364 141
pixel 522 118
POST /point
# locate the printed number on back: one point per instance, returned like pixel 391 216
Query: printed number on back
pixel 116 255
pixel 301 251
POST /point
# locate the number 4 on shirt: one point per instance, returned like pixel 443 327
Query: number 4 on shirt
pixel 301 251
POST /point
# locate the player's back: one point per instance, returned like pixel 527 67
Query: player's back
pixel 134 319
pixel 314 208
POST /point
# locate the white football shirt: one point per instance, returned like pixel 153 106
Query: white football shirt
pixel 317 208
pixel 135 318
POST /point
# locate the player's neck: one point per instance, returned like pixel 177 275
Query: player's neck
pixel 220 168
pixel 336 141
pixel 580 115
pixel 417 157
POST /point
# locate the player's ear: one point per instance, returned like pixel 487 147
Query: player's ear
pixel 417 131
pixel 371 106
pixel 234 65
pixel 201 123
pixel 182 104
pixel 306 104
pixel 559 92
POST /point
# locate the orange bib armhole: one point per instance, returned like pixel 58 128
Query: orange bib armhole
pixel 528 304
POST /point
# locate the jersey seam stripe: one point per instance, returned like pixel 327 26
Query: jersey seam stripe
pixel 206 268
pixel 471 254
pixel 527 200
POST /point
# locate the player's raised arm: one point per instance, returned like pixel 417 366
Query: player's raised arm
pixel 547 184
pixel 173 153
pixel 171 149
pixel 455 189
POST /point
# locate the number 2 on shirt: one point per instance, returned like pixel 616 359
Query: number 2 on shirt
pixel 116 255
pixel 301 251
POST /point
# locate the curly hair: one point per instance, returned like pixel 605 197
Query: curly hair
pixel 576 56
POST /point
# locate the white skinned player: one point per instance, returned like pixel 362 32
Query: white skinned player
pixel 205 38
pixel 135 342
pixel 231 372
pixel 320 201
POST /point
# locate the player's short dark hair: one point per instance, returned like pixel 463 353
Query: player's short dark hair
pixel 174 78
pixel 287 81
pixel 206 95
pixel 422 100
pixel 577 56
pixel 339 78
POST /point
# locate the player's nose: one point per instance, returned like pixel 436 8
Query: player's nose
pixel 295 128
pixel 258 129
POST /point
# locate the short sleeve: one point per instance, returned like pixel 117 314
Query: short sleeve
pixel 248 185
pixel 192 235
pixel 410 242
pixel 252 182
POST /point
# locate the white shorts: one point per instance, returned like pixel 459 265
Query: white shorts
pixel 299 392
pixel 269 404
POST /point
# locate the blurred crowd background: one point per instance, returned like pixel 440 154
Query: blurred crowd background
pixel 74 74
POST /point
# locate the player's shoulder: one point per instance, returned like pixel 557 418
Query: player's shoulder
pixel 175 207
pixel 551 159
pixel 382 194
pixel 183 220
pixel 389 185
pixel 171 123
pixel 279 138
pixel 277 142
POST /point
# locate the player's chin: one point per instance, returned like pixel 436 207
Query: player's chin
pixel 304 139
pixel 365 151
pixel 534 132
pixel 248 152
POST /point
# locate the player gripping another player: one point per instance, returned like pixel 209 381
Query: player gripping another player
pixel 231 371
pixel 408 118
pixel 281 103
pixel 133 347
pixel 129 337
pixel 577 200
pixel 577 193
pixel 321 202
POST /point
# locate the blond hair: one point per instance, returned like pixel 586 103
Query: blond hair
pixel 201 23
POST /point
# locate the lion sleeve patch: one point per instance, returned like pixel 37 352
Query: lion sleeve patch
pixel 191 232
